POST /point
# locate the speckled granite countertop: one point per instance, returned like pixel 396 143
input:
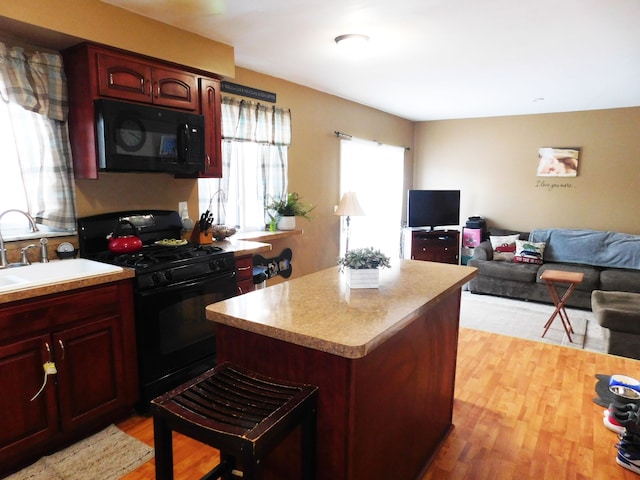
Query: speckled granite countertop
pixel 319 311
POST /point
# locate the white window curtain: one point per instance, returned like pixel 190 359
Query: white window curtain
pixel 375 172
pixel 36 161
pixel 255 144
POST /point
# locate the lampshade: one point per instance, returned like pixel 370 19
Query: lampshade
pixel 349 206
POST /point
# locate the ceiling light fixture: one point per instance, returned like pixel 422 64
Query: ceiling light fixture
pixel 352 41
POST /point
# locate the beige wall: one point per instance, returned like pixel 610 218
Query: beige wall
pixel 103 23
pixel 493 161
pixel 314 158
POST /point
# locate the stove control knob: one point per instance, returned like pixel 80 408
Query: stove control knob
pixel 168 275
pixel 214 265
pixel 156 278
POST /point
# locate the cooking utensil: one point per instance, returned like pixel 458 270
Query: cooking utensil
pixel 119 243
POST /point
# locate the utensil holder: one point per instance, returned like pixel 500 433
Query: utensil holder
pixel 202 238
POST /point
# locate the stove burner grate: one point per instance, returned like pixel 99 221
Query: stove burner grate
pixel 157 255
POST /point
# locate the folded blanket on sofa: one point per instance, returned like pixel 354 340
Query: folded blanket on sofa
pixel 589 247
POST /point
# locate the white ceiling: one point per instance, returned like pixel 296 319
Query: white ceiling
pixel 433 59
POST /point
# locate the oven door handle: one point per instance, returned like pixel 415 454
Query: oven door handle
pixel 225 277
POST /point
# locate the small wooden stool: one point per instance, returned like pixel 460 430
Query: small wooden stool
pixel 551 278
pixel 241 413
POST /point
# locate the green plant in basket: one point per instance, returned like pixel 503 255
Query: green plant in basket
pixel 362 258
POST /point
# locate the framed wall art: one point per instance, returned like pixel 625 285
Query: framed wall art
pixel 558 161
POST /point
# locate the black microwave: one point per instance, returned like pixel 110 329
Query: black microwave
pixel 140 138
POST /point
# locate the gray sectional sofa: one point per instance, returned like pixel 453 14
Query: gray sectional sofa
pixel 610 261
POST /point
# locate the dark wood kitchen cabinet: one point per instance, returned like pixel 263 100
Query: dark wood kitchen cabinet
pixel 96 71
pixel 89 336
pixel 127 78
pixel 435 246
pixel 211 108
pixel 244 274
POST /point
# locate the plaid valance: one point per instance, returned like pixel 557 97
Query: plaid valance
pixel 243 120
pixel 36 82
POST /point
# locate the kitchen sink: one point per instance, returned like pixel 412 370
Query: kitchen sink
pixel 39 274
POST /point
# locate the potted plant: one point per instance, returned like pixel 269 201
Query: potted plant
pixel 361 267
pixel 286 210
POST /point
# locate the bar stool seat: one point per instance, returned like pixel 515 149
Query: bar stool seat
pixel 241 413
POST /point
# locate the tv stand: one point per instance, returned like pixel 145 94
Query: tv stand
pixel 433 245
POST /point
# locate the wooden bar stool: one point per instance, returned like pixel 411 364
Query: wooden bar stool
pixel 242 414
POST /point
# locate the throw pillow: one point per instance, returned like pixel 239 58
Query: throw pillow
pixel 503 246
pixel 529 252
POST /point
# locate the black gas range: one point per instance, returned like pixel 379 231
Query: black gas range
pixel 173 285
pixel 157 266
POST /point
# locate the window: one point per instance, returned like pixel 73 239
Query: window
pixel 255 147
pixel 37 174
pixel 376 173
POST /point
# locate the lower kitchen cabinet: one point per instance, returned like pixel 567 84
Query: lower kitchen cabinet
pixel 85 340
pixel 244 273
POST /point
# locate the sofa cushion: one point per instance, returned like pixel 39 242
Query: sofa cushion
pixel 617 310
pixel 591 280
pixel 529 252
pixel 483 251
pixel 520 272
pixel 501 232
pixel 504 246
pixel 621 279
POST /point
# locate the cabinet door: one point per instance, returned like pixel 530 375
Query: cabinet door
pixel 210 107
pixel 26 424
pixel 244 272
pixel 173 88
pixel 90 371
pixel 123 78
pixel 435 247
pixel 126 78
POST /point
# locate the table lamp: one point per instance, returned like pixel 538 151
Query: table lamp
pixel 349 207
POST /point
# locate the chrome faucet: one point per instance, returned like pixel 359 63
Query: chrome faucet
pixel 3 251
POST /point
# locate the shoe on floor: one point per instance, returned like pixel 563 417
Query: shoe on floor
pixel 629 460
pixel 611 423
pixel 623 407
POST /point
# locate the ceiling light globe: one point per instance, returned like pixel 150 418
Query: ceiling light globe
pixel 352 42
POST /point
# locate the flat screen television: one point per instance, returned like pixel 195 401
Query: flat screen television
pixel 433 208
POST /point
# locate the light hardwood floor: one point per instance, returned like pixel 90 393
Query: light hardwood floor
pixel 523 409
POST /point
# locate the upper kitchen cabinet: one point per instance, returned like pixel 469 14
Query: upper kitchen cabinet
pixel 210 107
pixel 125 78
pixel 95 72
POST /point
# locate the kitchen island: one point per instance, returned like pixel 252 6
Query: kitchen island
pixel 384 361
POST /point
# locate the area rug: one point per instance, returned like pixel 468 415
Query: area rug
pixel 522 319
pixel 107 455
